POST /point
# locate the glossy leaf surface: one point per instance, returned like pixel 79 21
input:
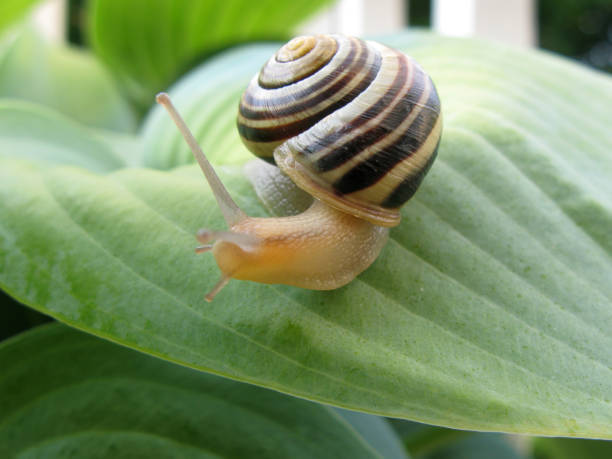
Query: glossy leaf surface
pixel 13 10
pixel 32 132
pixel 63 78
pixel 67 394
pixel 148 43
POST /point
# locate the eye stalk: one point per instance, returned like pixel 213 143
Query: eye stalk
pixel 231 212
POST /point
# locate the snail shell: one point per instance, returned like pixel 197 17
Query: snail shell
pixel 354 123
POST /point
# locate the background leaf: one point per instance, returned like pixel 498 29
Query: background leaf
pixel 149 43
pixel 16 317
pixel 489 309
pixel 566 448
pixel 432 442
pixel 13 10
pixel 478 446
pixel 208 97
pixel 75 395
pixel 376 431
pixel 422 439
pixel 29 131
pixel 66 79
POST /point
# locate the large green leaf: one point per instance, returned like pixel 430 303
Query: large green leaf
pixel 489 309
pixel 69 80
pixel 148 43
pixel 68 394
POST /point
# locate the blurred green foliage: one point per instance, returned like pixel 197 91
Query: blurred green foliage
pixel 580 29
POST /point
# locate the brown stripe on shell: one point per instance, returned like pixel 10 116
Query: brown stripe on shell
pixel 277 132
pixel 309 96
pixel 346 144
pixel 257 97
pixel 253 107
pixel 282 71
pixel 405 190
pixel 377 165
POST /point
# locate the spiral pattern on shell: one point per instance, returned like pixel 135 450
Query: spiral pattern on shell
pixel 354 123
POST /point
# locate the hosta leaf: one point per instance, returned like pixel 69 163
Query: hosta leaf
pixel 13 10
pixel 68 394
pixel 570 448
pixel 128 147
pixel 489 309
pixel 148 43
pixel 208 98
pixel 432 442
pixel 33 132
pixel 68 80
pixel 423 439
pixel 377 431
pixel 478 446
pixel 16 317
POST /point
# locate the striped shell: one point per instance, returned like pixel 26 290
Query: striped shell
pixel 354 123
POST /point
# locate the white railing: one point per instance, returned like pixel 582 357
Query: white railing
pixel 359 17
pixel 509 21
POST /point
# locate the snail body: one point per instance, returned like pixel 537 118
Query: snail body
pixel 314 250
pixel 353 123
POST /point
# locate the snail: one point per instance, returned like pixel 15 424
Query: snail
pixel 355 124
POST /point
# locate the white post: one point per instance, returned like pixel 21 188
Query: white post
pixel 509 21
pixel 359 18
pixel 50 19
